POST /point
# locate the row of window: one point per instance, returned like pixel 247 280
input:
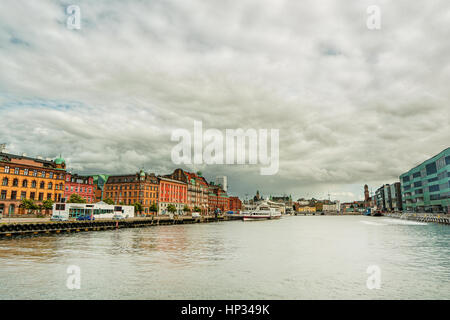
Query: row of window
pixel 24 184
pixel 32 195
pixel 34 173
pixel 130 187
pixel 141 194
pixel 79 189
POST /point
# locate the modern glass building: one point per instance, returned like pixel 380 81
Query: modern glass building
pixel 426 188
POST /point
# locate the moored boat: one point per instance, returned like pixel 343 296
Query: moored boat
pixel 262 212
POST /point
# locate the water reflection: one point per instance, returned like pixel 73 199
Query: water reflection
pixel 293 258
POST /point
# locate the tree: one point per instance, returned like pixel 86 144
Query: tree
pixel 76 198
pixel 199 173
pixel 47 204
pixel 138 207
pixel 171 208
pixel 109 201
pixel 29 205
pixel 186 209
pixel 153 208
pixel 197 209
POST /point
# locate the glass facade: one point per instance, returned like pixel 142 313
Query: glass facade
pixel 426 188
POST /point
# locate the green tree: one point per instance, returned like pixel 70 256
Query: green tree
pixel 138 207
pixel 109 201
pixel 171 208
pixel 199 173
pixel 29 205
pixel 153 208
pixel 76 198
pixel 47 204
pixel 197 209
pixel 186 209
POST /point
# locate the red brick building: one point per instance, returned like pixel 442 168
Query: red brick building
pixel 217 199
pixel 197 189
pixel 172 192
pixel 82 185
pixel 235 204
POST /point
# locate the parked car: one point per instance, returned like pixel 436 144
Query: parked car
pixel 85 218
pixel 59 218
pixel 195 215
pixel 118 217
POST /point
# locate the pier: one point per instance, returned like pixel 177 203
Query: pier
pixel 8 230
pixel 421 217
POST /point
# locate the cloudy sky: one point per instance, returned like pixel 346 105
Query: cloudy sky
pixel 353 105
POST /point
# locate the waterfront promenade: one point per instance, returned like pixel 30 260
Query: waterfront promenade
pixel 45 226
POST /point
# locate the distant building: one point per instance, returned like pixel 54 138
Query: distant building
pixel 235 204
pixel 223 182
pixel 82 185
pixel 218 199
pixel 426 187
pixel 334 206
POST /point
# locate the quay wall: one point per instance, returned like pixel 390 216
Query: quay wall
pixel 8 230
pixel 421 217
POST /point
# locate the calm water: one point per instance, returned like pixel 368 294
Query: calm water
pixel 318 257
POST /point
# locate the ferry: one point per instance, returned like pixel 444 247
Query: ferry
pixel 262 212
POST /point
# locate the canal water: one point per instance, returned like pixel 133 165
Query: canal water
pixel 313 257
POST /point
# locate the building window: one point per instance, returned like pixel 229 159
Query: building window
pixel 49 196
pixel 42 185
pixel 32 195
pixel 3 195
pixel 24 183
pixel 13 195
pixel 34 173
pixel 43 174
pixel 33 184
pixel 6 169
pixel 431 168
pixel 23 195
pixel 50 185
pixel 5 182
pixel 25 172
pixel 434 188
pixel 16 171
pixel 41 196
pixel 50 175
pixel 15 183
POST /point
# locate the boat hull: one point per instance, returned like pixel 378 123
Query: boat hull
pixel 260 217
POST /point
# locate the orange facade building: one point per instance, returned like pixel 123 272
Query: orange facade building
pixel 22 177
pixel 140 188
pixel 172 192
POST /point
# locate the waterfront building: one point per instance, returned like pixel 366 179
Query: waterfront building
pixel 22 177
pixel 82 185
pixel 369 200
pixel 129 189
pixel 332 206
pixel 99 210
pixel 197 189
pixel 286 200
pixel 396 196
pixel 426 187
pixel 217 199
pixel 223 182
pixel 305 208
pixel 235 204
pixel 380 198
pixel 172 192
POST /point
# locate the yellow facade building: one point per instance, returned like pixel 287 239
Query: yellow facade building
pixel 22 177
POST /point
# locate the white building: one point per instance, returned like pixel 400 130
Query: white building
pixel 222 180
pixel 99 210
pixel 336 206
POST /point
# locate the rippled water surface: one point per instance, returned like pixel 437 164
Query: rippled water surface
pixel 314 257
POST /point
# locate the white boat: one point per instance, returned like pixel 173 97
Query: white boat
pixel 262 212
